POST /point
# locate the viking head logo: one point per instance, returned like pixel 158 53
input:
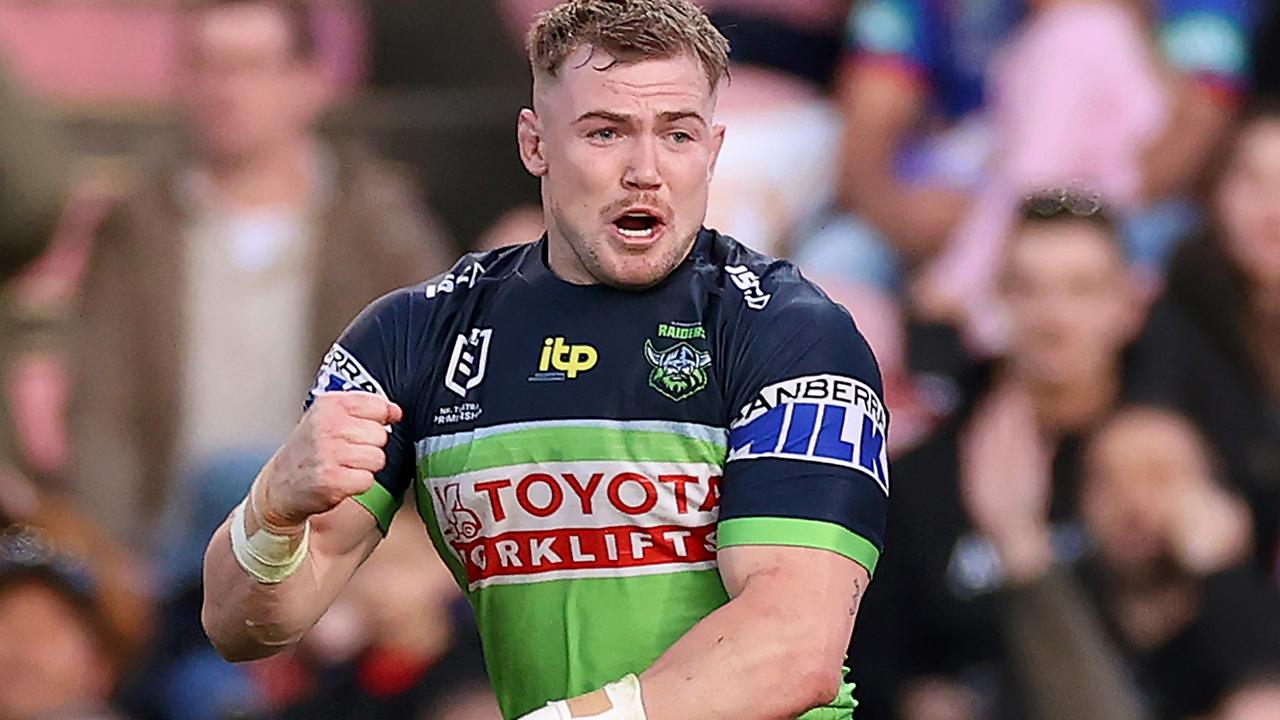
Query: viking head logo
pixel 679 371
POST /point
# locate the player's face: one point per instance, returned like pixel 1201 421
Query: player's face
pixel 1070 302
pixel 246 90
pixel 625 155
pixel 1248 202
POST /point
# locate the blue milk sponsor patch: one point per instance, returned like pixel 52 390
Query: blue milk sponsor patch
pixel 341 372
pixel 829 419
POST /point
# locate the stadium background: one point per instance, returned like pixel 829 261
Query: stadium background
pixel 106 511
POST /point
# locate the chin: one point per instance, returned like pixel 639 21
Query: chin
pixel 626 277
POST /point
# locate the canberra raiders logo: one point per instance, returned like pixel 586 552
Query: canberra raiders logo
pixel 678 371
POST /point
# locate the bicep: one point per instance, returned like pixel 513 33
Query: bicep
pixel 821 588
pixel 341 540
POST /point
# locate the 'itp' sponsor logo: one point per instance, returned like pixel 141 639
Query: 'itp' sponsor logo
pixel 560 360
pixel 828 419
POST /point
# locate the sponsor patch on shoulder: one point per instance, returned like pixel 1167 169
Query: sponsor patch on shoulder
pixel 342 372
pixel 830 419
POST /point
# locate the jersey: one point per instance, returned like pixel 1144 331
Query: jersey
pixel 579 453
pixel 951 42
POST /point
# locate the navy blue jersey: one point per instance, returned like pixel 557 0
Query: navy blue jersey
pixel 579 453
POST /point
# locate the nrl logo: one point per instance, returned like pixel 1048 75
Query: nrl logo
pixel 679 371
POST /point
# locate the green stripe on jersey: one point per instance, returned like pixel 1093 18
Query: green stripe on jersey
pixel 800 533
pixel 380 503
pixel 562 638
pixel 568 443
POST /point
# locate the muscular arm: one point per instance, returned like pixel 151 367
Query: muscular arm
pixel 248 620
pixel 773 651
pixel 329 458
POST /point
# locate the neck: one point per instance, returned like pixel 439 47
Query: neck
pixel 1071 406
pixel 564 261
pixel 281 175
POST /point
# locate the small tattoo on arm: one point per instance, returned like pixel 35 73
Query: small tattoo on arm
pixel 857 598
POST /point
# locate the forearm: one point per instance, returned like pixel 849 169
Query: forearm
pixel 246 619
pixel 1066 663
pixel 752 659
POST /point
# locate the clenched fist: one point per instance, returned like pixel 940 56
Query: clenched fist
pixel 331 455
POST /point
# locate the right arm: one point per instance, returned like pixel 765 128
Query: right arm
pixel 342 471
pixel 329 458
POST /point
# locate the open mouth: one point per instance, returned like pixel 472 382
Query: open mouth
pixel 638 225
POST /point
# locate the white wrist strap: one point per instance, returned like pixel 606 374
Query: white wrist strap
pixel 624 695
pixel 266 556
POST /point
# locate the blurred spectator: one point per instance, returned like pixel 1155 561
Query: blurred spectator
pixel 65 638
pixel 411 657
pixel 1076 71
pixel 1172 572
pixel 34 170
pixel 213 289
pixel 1187 623
pixel 1212 344
pixel 184 678
pixel 1071 305
pixel 926 127
pixel 777 169
pixel 1259 700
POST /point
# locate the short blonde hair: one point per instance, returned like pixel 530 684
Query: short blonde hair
pixel 629 30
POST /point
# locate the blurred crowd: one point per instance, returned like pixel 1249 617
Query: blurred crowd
pixel 1057 222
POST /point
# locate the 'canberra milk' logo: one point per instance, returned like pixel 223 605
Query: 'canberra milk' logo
pixel 342 372
pixel 829 419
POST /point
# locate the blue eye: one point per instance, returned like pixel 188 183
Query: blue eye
pixel 681 137
pixel 603 134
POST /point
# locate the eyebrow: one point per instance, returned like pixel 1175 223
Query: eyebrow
pixel 676 115
pixel 666 117
pixel 604 115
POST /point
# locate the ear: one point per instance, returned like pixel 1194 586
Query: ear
pixel 529 138
pixel 717 141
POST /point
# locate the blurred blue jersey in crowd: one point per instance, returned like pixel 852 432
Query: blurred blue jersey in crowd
pixel 950 43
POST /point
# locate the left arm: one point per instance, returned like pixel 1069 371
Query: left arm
pixel 774 650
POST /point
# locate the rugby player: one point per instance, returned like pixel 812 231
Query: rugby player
pixel 653 459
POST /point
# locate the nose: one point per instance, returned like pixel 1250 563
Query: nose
pixel 642 167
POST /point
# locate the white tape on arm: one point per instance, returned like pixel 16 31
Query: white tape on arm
pixel 624 696
pixel 267 557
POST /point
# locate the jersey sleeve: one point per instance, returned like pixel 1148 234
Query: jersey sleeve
pixel 1209 39
pixel 892 30
pixel 371 356
pixel 807 463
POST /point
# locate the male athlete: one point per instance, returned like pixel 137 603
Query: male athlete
pixel 653 459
